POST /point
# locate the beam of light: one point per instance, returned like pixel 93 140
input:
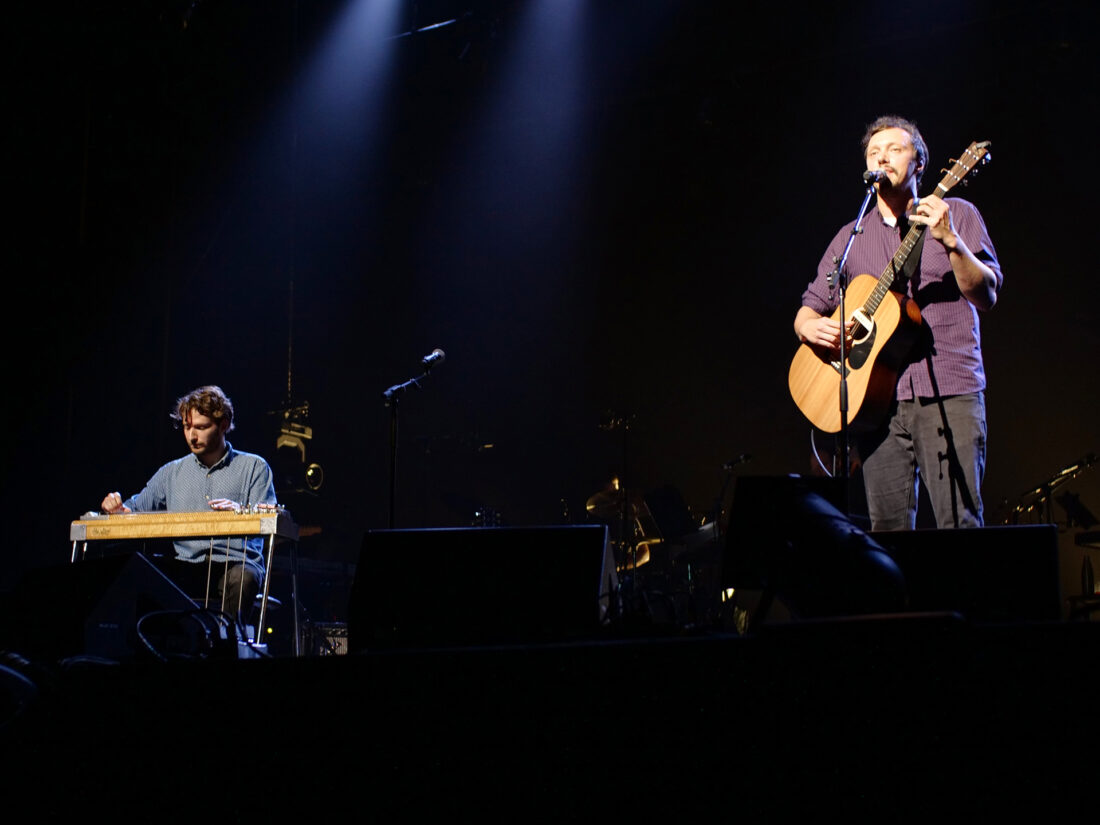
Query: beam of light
pixel 338 103
pixel 528 152
pixel 306 166
pixel 499 248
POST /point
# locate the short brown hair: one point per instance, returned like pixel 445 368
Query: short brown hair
pixel 898 122
pixel 210 401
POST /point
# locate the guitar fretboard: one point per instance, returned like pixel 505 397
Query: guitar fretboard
pixel 897 263
pixel 975 153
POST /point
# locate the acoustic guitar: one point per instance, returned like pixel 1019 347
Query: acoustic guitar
pixel 885 324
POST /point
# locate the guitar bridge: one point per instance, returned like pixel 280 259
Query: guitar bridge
pixel 864 326
pixel 863 339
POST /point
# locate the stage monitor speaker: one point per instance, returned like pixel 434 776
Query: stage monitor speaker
pixel 988 574
pixel 91 607
pixel 479 586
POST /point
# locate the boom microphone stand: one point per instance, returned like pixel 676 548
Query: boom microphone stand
pixel 838 279
pixel 392 396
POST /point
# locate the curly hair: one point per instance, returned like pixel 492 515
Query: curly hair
pixel 898 122
pixel 210 401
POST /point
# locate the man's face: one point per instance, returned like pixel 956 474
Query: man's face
pixel 892 151
pixel 204 436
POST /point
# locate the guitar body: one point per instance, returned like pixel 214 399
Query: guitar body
pixel 874 360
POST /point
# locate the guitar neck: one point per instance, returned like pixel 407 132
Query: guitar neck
pixel 897 263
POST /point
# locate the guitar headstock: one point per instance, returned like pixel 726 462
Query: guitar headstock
pixel 976 154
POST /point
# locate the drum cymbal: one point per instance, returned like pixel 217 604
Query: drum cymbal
pixel 606 502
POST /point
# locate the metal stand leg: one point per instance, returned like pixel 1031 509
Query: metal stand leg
pixel 270 556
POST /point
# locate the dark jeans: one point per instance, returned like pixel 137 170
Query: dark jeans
pixel 941 441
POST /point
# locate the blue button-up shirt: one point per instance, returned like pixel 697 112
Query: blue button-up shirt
pixel 186 485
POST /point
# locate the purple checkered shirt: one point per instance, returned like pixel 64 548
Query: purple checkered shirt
pixel 952 320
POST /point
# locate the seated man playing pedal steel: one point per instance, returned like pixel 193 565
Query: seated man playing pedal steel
pixel 213 476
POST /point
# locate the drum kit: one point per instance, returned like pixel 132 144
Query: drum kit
pixel 669 563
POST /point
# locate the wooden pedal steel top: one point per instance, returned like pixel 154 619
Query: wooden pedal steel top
pixel 183 525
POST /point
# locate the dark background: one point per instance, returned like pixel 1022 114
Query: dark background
pixel 592 207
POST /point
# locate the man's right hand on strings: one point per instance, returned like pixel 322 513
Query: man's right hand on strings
pixel 112 504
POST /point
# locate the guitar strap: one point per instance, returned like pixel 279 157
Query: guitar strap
pixel 909 269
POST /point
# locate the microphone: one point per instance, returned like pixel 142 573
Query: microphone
pixel 873 176
pixel 437 356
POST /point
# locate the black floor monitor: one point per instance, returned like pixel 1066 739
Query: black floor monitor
pixel 479 586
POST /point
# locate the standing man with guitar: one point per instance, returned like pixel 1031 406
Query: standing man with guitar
pixel 934 429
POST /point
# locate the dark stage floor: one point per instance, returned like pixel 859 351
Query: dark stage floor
pixel 902 717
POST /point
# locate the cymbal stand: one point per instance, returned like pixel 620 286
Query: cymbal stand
pixel 627 545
